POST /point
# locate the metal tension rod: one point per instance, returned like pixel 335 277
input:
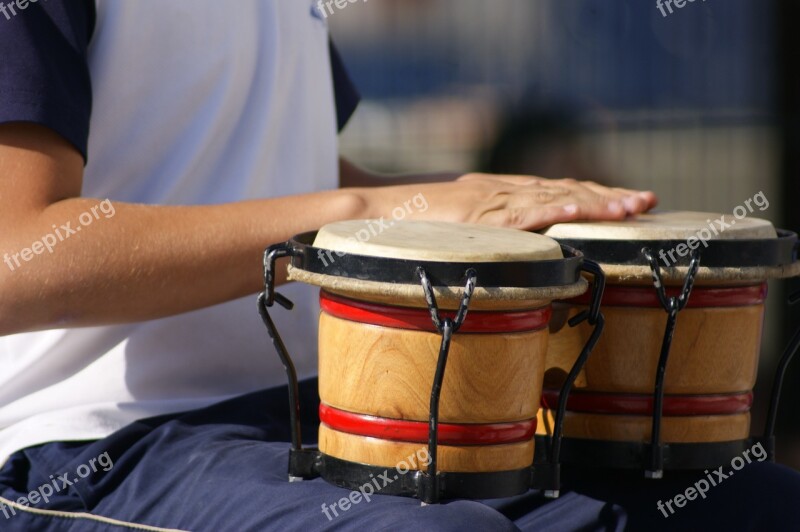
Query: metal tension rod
pixel 429 484
pixel 672 305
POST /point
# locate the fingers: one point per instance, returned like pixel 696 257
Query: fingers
pixel 531 219
pixel 633 201
pixel 531 203
pixel 526 210
pixel 536 205
pixel 650 198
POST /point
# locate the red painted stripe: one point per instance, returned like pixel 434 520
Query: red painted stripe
pixel 417 431
pixel 642 405
pixel 646 296
pixel 420 319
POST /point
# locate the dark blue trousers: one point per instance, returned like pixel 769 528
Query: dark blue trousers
pixel 224 468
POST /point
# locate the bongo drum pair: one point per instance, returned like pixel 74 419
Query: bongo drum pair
pixel 432 337
pixel 669 384
pixel 446 338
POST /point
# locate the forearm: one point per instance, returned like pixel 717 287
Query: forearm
pixel 146 262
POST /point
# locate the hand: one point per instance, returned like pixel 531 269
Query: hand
pixel 529 203
pixel 521 202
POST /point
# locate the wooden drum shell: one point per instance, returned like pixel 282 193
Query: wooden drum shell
pixel 456 459
pixel 674 429
pixel 387 372
pixel 714 352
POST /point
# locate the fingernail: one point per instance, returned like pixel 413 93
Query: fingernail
pixel 631 205
pixel 570 209
pixel 614 206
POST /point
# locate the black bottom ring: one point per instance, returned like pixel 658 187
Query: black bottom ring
pixel 635 455
pixel 389 481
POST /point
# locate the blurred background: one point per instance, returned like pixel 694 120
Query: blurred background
pixel 700 105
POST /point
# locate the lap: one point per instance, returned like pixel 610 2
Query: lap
pixel 224 468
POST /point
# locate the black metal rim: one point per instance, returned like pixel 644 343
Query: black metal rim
pixel 512 274
pixel 390 481
pixel 744 253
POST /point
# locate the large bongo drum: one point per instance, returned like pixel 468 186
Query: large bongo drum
pixel 669 384
pixel 432 344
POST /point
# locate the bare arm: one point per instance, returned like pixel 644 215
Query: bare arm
pixel 142 263
pixel 147 262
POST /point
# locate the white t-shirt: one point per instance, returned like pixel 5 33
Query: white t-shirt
pixel 195 102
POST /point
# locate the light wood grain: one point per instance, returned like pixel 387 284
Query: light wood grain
pixel 387 372
pixel 681 429
pixel 714 350
pixel 461 459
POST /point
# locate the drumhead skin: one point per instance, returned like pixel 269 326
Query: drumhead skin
pixel 669 225
pixel 678 232
pixel 440 242
pixel 437 241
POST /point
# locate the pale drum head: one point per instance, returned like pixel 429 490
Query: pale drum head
pixel 668 225
pixel 436 241
pixel 678 226
pixel 440 242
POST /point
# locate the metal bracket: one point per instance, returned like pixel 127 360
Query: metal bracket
pixel 672 305
pixel 550 476
pixel 777 386
pixel 429 491
pixel 299 468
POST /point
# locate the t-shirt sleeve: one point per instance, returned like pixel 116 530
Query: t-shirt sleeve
pixel 346 93
pixel 44 75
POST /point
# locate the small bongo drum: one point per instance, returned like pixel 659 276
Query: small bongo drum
pixel 432 338
pixel 669 384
